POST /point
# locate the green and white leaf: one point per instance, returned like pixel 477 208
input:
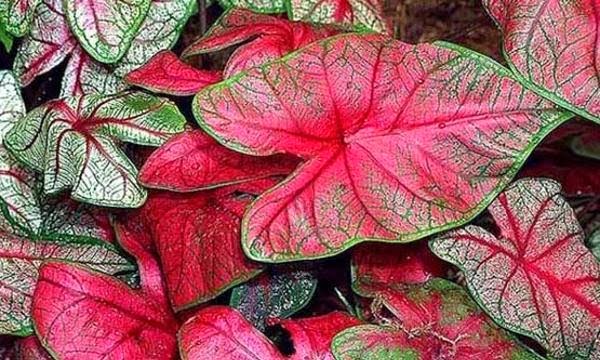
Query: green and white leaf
pixel 16 15
pixel 259 6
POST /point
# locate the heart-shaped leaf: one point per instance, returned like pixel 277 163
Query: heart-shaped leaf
pixel 400 141
pixel 105 28
pixel 16 15
pixel 165 73
pixel 279 294
pixel 377 266
pixel 20 259
pixel 73 142
pixel 221 332
pixel 359 13
pixel 552 46
pixel 194 161
pixel 536 277
pixel 436 320
pixel 257 6
pixel 271 37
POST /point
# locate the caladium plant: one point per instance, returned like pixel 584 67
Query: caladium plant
pixel 16 15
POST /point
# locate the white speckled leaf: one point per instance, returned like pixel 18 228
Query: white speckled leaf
pixel 105 28
pixel 16 15
pixel 536 277
pixel 76 141
pixel 259 6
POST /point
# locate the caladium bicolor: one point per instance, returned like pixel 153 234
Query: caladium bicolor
pixel 165 73
pixel 536 277
pixel 278 294
pixel 73 142
pixel 271 37
pixel 16 15
pixel 358 13
pixel 436 320
pixel 377 266
pixel 106 28
pixel 257 6
pixel 552 46
pixel 194 161
pixel 399 141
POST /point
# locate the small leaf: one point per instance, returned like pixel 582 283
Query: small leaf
pixel 193 161
pixel 221 332
pixel 73 142
pixel 587 145
pixel 16 15
pixel 593 243
pixel 49 42
pixel 553 48
pixel 106 28
pixel 359 13
pixel 257 6
pixel 399 141
pixel 275 37
pixel 20 259
pixel 276 295
pixel 536 277
pixel 376 266
pixel 436 320
pixel 6 38
pixel 165 73
pixel 29 348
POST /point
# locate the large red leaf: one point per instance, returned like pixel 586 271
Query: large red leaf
pixel 400 141
pixel 436 320
pixel 384 265
pixel 272 38
pixel 165 73
pixel 553 46
pixel 194 161
pixel 536 277
pixel 220 332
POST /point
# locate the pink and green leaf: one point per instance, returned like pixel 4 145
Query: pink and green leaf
pixel 362 97
pixel 436 320
pixel 257 6
pixel 552 46
pixel 194 161
pixel 16 15
pixel 106 28
pixel 73 142
pixel 536 277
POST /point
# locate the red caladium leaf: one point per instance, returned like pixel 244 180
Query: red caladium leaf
pixel 359 13
pixel 221 332
pixel 73 142
pixel 165 73
pixel 29 348
pixel 376 266
pixel 312 336
pixel 106 28
pixel 536 277
pixel 194 161
pixel 16 15
pixel 274 38
pixel 436 320
pixel 399 141
pixel 553 47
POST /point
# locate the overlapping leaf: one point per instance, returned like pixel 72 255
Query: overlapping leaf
pixel 553 47
pixel 271 37
pixel 73 142
pixel 106 28
pixel 400 141
pixel 359 13
pixel 29 348
pixel 165 73
pixel 275 295
pixel 257 6
pixel 194 161
pixel 536 277
pixel 436 320
pixel 16 15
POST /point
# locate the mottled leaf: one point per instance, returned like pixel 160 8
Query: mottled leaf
pixel 165 73
pixel 279 294
pixel 221 332
pixel 257 6
pixel 359 13
pixel 106 28
pixel 194 161
pixel 552 46
pixel 270 38
pixel 73 142
pixel 536 277
pixel 399 141
pixel 20 259
pixel 16 15
pixel 436 320
pixel 376 266
pixel 29 348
